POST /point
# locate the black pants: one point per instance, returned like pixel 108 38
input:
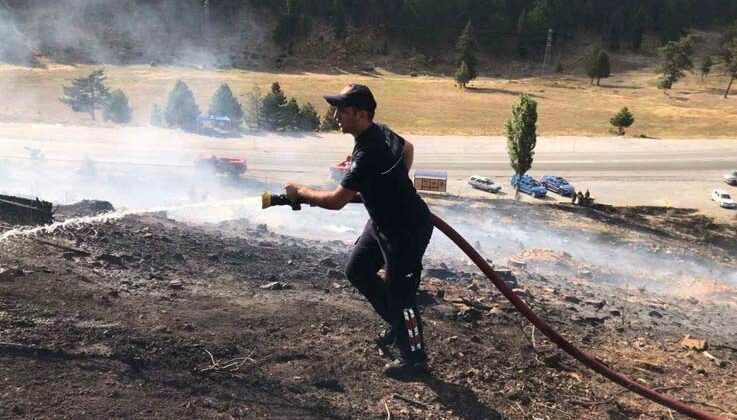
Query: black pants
pixel 393 298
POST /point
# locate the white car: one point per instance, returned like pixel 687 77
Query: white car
pixel 484 183
pixel 731 178
pixel 723 199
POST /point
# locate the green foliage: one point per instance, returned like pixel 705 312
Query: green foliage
pixel 308 118
pixel 272 109
pixel 329 123
pixel 181 109
pixel 462 75
pixel 87 94
pixel 338 19
pixel 597 65
pixel 730 60
pixel 706 65
pixel 291 115
pixel 622 119
pixel 465 52
pixel 291 23
pixel 521 134
pixel 157 117
pixel 253 108
pixel 116 108
pixel 675 61
pixel 225 103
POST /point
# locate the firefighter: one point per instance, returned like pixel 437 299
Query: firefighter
pixel 397 232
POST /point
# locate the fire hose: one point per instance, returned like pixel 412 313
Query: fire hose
pixel 588 360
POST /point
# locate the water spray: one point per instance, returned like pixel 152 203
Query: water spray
pixel 269 200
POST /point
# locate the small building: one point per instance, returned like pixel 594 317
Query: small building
pixel 215 121
pixel 435 181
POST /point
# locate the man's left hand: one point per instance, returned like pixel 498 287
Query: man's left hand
pixel 292 190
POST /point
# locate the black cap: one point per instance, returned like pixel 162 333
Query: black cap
pixel 355 95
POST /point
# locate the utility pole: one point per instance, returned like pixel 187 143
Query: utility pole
pixel 548 48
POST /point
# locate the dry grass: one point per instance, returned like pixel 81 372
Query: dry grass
pixel 420 105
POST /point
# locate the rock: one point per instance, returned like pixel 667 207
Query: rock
pixel 522 293
pixel 176 284
pixel 337 286
pixel 691 343
pixel 442 273
pixel 517 263
pixel 572 299
pixel 468 313
pixel 585 274
pixel 615 312
pixel 262 228
pixel 111 259
pixel 274 285
pixel 507 276
pixel 440 294
pixel 328 262
pixel 7 273
pixel 598 304
pixel 335 274
pixel 655 314
pixel 473 287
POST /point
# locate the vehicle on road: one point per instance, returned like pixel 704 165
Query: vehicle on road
pixel 230 166
pixel 484 183
pixel 557 185
pixel 731 178
pixel 338 171
pixel 722 198
pixel 529 185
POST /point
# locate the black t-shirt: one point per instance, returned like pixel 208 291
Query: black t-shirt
pixel 379 173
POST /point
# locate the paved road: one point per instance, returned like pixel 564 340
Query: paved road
pixel 616 170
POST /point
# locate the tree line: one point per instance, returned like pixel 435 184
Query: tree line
pixel 518 24
pixel 270 112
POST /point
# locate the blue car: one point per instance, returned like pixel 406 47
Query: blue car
pixel 529 185
pixel 557 185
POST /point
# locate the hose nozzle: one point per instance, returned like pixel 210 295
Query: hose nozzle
pixel 268 200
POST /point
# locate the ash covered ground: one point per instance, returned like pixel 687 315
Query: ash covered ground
pixel 215 309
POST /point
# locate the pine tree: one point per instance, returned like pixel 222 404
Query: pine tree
pixel 622 119
pixel 116 108
pixel 157 117
pixel 272 109
pixel 706 65
pixel 462 75
pixel 338 19
pixel 675 61
pixel 225 103
pixel 87 94
pixel 329 123
pixel 291 115
pixel 308 119
pixel 602 59
pixel 521 134
pixel 181 109
pixel 253 108
pixel 730 59
pixel 466 52
pixel 597 65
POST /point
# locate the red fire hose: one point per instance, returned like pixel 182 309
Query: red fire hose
pixel 556 338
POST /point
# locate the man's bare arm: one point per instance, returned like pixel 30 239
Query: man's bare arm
pixel 331 200
pixel 409 154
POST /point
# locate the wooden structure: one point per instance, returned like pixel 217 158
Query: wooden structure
pixel 434 181
pixel 25 211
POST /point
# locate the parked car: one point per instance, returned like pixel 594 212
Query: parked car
pixel 557 185
pixel 731 178
pixel 723 199
pixel 529 185
pixel 483 183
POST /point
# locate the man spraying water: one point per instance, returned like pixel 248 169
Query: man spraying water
pixel 397 233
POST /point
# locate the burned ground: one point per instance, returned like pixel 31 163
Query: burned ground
pixel 146 317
